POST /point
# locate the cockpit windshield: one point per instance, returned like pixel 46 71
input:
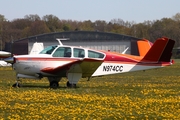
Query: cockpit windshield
pixel 48 50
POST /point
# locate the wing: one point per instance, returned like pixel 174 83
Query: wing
pixel 86 66
pixel 59 69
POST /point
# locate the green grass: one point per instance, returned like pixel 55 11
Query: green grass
pixel 150 94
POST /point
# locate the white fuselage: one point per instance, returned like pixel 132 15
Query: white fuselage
pixel 107 68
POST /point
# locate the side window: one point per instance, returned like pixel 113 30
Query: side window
pixel 62 52
pixel 48 50
pixel 67 52
pixel 79 53
pixel 92 54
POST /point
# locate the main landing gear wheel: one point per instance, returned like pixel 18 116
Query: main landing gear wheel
pixel 54 84
pixel 69 85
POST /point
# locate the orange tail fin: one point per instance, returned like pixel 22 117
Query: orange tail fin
pixel 160 51
pixel 143 47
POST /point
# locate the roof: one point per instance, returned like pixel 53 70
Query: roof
pixel 79 36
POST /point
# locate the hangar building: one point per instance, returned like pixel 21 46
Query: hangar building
pixel 90 39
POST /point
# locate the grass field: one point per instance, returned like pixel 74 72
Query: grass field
pixel 151 94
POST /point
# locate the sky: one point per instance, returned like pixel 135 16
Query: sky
pixel 81 10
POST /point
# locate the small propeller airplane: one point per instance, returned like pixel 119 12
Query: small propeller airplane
pixel 57 61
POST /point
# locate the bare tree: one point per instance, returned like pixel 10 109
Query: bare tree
pixel 32 17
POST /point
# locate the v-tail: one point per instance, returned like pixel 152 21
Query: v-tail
pixel 159 55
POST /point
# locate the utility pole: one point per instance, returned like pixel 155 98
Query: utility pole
pixel 1 42
pixel 1 37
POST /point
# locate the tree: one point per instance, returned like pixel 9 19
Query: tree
pixel 32 17
pixel 87 25
pixel 141 30
pixel 176 17
pixel 66 27
pixel 100 25
pixel 38 27
pixel 2 18
pixel 52 22
pixel 120 26
pixel 20 23
pixel 118 22
pixel 33 25
pixel 163 27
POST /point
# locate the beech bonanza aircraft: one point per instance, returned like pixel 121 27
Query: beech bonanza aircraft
pixel 55 62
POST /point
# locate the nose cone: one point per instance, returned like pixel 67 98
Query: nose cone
pixel 4 54
pixel 9 60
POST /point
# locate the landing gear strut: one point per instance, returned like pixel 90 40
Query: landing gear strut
pixel 17 84
pixel 69 85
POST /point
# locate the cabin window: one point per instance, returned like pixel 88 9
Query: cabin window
pixel 62 52
pixel 79 53
pixel 48 50
pixel 93 54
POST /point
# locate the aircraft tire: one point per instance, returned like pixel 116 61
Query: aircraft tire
pixel 54 84
pixel 16 85
pixel 69 85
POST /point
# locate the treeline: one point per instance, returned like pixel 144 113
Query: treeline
pixel 32 25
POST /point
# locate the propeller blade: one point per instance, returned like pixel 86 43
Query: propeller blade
pixel 9 60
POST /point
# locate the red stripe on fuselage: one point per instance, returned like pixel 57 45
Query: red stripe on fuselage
pixel 45 59
pixel 140 63
pixel 53 59
pixel 113 56
pixel 117 58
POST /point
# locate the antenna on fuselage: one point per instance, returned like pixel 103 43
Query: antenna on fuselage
pixel 125 50
pixel 59 40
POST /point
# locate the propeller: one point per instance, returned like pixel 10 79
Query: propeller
pixel 11 58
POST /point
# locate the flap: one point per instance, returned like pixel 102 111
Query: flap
pixel 89 66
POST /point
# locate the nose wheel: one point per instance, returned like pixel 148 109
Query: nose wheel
pixel 17 84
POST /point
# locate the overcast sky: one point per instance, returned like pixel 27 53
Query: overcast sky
pixel 80 10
